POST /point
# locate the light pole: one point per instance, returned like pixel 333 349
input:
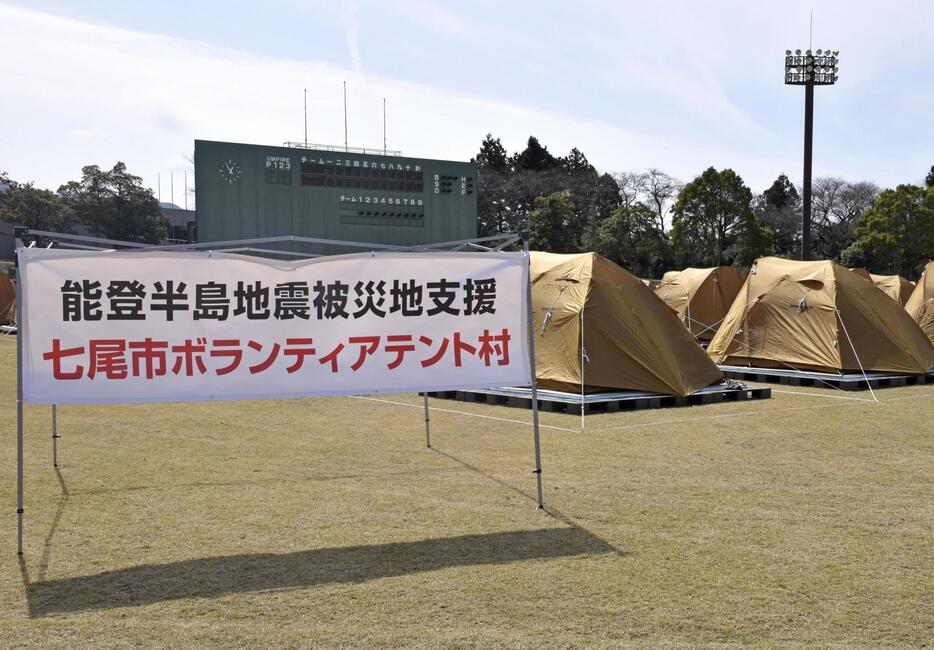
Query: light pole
pixel 809 70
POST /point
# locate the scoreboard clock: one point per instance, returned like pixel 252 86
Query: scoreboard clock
pixel 230 171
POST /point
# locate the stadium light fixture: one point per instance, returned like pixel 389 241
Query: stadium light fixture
pixel 809 70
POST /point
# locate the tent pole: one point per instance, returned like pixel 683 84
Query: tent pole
pixel 55 437
pixel 20 321
pixel 534 383
pixel 427 423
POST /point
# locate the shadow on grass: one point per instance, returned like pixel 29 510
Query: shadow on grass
pixel 551 512
pixel 47 545
pixel 217 576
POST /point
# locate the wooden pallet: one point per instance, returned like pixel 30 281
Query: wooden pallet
pixel 850 381
pixel 558 402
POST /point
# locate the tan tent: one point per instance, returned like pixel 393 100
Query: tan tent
pixel 7 300
pixel 920 305
pixel 803 315
pixel 701 297
pixel 631 340
pixel 861 272
pixel 894 286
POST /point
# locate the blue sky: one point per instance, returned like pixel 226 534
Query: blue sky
pixel 674 85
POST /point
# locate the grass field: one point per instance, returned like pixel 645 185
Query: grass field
pixel 798 521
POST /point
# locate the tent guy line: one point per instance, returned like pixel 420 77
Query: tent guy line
pixel 796 392
pixel 476 415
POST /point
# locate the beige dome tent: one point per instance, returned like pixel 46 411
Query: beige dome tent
pixel 631 341
pixel 701 297
pixel 7 300
pixel 920 305
pixel 894 286
pixel 818 316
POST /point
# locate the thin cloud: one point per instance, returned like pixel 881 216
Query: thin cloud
pixel 352 32
pixel 146 97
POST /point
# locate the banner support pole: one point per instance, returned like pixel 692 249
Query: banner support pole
pixel 534 383
pixel 582 370
pixel 55 436
pixel 19 407
pixel 427 423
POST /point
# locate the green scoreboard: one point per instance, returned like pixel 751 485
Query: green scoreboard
pixel 246 191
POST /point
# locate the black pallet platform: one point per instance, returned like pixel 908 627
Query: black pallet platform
pixel 851 381
pixel 558 402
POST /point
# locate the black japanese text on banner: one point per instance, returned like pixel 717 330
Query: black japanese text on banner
pixel 104 327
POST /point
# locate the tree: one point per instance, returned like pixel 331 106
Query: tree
pixel 548 224
pixel 754 241
pixel 493 169
pixel 508 188
pixel 778 209
pixel 492 156
pixel 114 204
pixel 836 206
pixel 576 161
pixel 630 186
pixel 929 179
pixel 711 215
pixel 659 190
pixel 535 157
pixel 897 233
pixel 782 193
pixel 631 238
pixel 22 204
pixel 507 196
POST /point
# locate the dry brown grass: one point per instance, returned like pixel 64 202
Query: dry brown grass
pixel 796 521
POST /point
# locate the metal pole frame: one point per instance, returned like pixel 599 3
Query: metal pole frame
pixel 84 242
pixel 237 245
pixel 534 380
pixel 55 436
pixel 427 423
pixel 20 328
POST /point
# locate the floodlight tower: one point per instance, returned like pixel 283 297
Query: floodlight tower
pixel 809 70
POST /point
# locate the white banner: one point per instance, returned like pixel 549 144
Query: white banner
pixel 105 327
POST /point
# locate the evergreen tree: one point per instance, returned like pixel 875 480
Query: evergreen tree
pixel 897 233
pixel 114 204
pixel 778 210
pixel 23 204
pixel 534 158
pixel 713 215
pixel 548 224
pixel 492 156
